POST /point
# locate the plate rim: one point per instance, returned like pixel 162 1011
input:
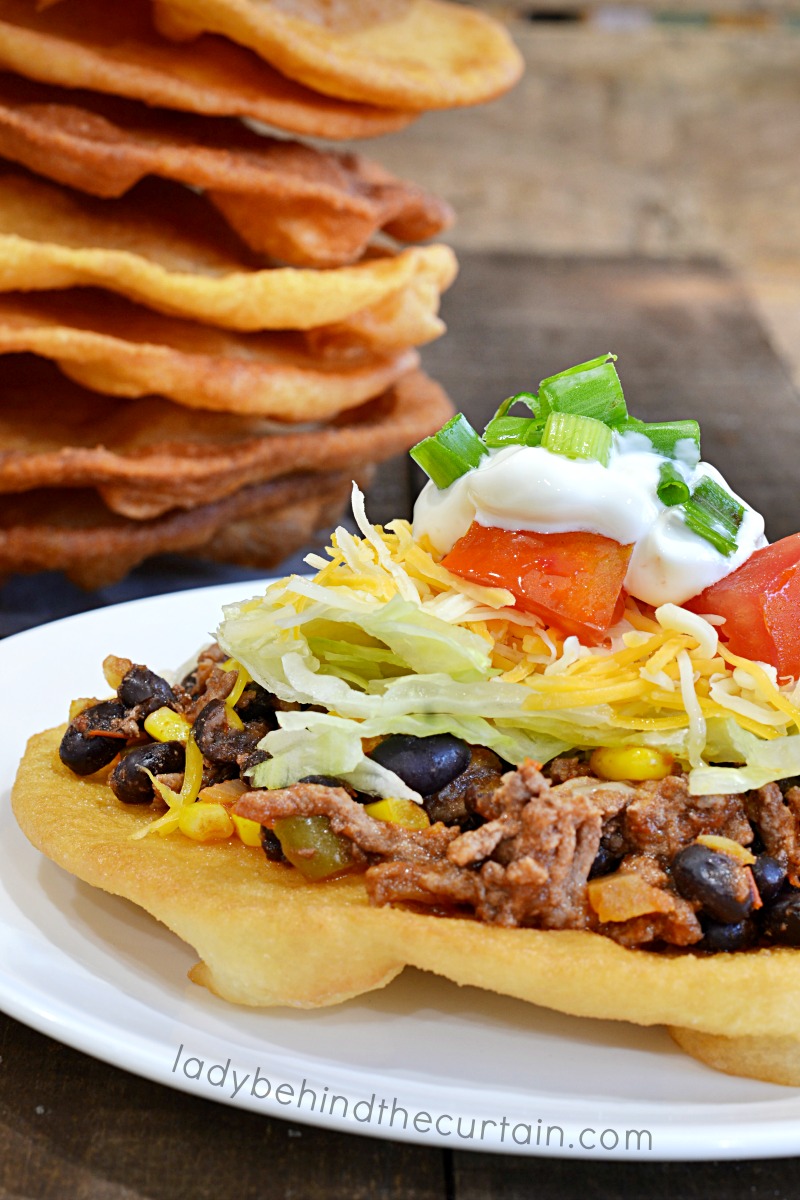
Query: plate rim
pixel 20 999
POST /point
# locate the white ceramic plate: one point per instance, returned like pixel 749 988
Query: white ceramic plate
pixel 100 975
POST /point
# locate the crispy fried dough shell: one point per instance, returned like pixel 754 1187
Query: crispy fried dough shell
pixel 148 457
pixel 109 46
pixel 71 530
pixel 406 53
pixel 161 246
pixel 301 206
pixel 117 348
pixel 266 937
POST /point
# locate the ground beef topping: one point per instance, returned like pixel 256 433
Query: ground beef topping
pixel 645 864
pixel 663 818
pixel 524 849
pixel 348 818
pixel 777 818
pixel 528 865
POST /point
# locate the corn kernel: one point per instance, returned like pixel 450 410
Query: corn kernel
pixel 635 763
pixel 405 813
pixel 205 822
pixel 167 726
pixel 249 831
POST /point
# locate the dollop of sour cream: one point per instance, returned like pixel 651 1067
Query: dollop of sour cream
pixel 530 488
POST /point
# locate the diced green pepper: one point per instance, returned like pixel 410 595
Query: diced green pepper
pixel 310 844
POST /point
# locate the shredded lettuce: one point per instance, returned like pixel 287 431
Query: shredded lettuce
pixel 313 743
pixel 374 650
pixel 763 761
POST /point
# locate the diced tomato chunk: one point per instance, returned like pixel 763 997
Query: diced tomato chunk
pixel 760 602
pixel 571 580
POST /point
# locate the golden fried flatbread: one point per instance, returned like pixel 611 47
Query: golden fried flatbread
pixel 407 317
pixel 405 53
pixel 164 246
pixel 246 918
pixel 297 204
pixel 112 47
pixel 73 531
pixel 121 349
pixel 147 457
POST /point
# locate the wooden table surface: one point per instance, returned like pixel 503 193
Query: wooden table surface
pixel 72 1128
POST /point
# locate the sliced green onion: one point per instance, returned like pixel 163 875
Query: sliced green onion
pixel 591 390
pixel 513 431
pixel 672 488
pixel 577 436
pixel 530 399
pixel 666 435
pixel 718 503
pixel 714 514
pixel 450 453
pixel 581 367
pixel 698 520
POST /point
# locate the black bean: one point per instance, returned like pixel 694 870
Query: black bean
pixel 145 691
pixel 769 876
pixel 129 780
pixel 426 764
pixel 85 755
pixel 83 750
pixel 781 922
pixel 332 781
pixel 271 846
pixel 604 862
pixel 105 717
pixel 253 760
pixel 461 801
pixel 257 704
pixel 220 743
pixel 717 881
pixel 719 937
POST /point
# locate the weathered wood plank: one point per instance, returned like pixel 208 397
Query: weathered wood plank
pixel 492 1177
pixel 689 345
pixel 75 1129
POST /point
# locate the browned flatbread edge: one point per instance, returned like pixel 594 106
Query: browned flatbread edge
pixel 770 1059
pixel 266 937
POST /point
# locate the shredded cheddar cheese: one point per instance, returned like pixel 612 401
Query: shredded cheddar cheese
pixel 662 669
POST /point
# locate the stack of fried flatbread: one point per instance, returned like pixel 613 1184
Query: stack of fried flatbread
pixel 208 327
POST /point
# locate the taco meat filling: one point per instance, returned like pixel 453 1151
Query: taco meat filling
pixel 553 847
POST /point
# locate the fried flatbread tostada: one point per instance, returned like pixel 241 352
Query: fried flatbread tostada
pixel 114 48
pixel 364 721
pixel 405 53
pixel 165 247
pixel 297 204
pixel 148 457
pixel 118 348
pixel 266 936
pixel 72 530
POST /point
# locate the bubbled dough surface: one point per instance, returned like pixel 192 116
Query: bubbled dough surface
pixel 266 937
